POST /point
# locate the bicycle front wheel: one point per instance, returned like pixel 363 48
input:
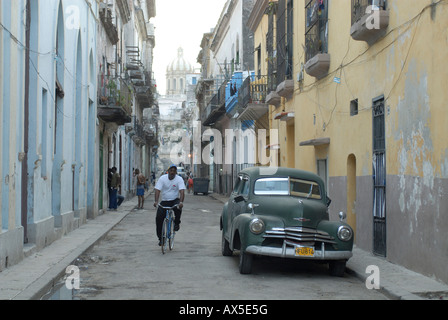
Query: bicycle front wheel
pixel 171 234
pixel 164 236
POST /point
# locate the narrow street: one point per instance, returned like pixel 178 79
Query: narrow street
pixel 128 264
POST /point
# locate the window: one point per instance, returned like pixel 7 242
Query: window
pixel 237 184
pixel 270 50
pixel 271 186
pixel 305 189
pixel 245 187
pixel 316 36
pixel 285 27
pixel 360 7
pixel 354 107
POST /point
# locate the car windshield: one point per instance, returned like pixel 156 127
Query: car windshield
pixel 271 186
pixel 287 186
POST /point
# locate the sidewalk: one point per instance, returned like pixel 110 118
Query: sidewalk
pixel 396 282
pixel 34 276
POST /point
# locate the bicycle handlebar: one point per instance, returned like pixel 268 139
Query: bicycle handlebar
pixel 168 208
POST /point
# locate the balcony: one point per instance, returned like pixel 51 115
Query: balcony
pixel 143 91
pixel 114 100
pixel 316 39
pixel 252 98
pixel 213 112
pixel 136 132
pixel 232 92
pixel 108 23
pixel 318 65
pixel 370 20
pixel 286 88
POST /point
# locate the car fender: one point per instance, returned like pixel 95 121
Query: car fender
pixel 331 227
pixel 241 237
pixel 223 218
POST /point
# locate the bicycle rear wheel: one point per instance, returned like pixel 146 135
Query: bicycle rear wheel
pixel 172 233
pixel 164 235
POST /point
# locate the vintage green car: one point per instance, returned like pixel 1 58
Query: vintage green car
pixel 283 212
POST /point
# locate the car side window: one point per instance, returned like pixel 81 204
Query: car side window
pixel 245 187
pixel 237 184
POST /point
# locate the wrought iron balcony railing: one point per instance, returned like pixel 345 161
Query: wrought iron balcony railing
pixel 254 90
pixel 114 99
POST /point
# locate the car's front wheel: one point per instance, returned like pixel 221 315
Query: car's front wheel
pixel 337 268
pixel 225 247
pixel 245 262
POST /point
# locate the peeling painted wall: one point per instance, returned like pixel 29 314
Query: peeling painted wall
pixel 408 68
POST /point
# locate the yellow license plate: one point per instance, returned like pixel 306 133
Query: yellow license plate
pixel 304 251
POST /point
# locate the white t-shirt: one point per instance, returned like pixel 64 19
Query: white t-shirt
pixel 170 188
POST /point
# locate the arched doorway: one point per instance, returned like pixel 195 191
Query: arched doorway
pixel 351 192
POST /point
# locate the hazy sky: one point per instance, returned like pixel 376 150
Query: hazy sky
pixel 181 23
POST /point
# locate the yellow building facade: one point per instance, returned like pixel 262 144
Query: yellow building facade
pixel 359 97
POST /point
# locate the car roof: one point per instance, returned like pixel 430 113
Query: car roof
pixel 257 172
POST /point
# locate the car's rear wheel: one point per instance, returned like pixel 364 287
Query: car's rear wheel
pixel 225 247
pixel 245 262
pixel 337 268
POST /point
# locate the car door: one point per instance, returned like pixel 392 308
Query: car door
pixel 242 196
pixel 231 203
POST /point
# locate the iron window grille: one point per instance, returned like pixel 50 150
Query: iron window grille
pixel 316 34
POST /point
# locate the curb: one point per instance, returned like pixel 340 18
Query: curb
pixel 49 279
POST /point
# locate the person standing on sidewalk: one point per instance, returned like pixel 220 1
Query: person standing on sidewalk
pixel 172 188
pixel 141 181
pixel 115 199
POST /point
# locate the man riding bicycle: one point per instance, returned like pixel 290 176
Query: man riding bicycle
pixel 172 188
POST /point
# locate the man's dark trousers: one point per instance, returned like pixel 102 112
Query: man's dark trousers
pixel 161 214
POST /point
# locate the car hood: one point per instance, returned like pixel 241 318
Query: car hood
pixel 295 212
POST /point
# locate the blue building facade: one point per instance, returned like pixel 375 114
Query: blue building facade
pixel 48 115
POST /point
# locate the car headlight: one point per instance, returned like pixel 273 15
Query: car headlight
pixel 345 233
pixel 256 226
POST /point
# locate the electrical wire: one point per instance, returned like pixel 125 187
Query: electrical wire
pixel 341 68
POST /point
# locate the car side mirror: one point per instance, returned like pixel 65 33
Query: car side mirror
pixel 328 201
pixel 239 199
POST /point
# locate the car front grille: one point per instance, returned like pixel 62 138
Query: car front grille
pixel 299 235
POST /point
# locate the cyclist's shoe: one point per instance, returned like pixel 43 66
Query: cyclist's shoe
pixel 176 227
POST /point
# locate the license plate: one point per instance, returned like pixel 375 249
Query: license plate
pixel 305 251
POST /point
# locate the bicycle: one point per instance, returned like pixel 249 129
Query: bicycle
pixel 168 232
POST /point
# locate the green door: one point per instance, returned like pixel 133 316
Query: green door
pixel 101 166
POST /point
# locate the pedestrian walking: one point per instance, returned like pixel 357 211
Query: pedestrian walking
pixel 141 182
pixel 190 184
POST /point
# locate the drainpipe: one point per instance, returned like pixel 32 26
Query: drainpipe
pixel 26 125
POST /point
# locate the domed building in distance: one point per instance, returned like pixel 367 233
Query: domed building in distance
pixel 176 74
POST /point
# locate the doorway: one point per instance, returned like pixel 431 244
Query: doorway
pixel 351 192
pixel 379 178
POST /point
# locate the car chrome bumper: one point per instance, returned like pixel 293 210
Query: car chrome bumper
pixel 289 252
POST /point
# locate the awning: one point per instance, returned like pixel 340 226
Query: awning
pixel 315 142
pixel 273 147
pixel 284 116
